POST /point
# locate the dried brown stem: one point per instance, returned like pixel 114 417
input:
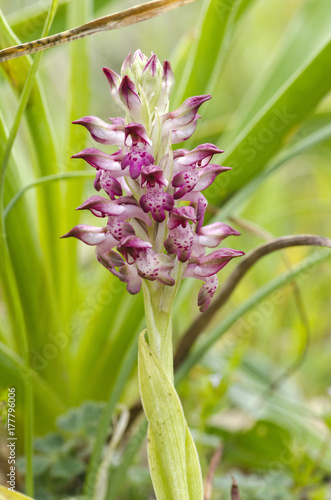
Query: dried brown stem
pixel 200 323
pixel 211 472
pixel 234 490
pixel 113 21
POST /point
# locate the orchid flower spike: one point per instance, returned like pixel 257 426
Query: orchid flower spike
pixel 152 205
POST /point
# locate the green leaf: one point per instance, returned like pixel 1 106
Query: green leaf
pixel 67 468
pixel 173 459
pixel 6 494
pixel 205 59
pixel 40 464
pixel 282 99
pixel 51 443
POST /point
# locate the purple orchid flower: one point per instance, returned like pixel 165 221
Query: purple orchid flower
pixel 154 203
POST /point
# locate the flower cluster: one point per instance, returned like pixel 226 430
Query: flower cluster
pixel 154 205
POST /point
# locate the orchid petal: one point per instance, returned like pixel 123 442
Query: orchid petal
pixel 101 206
pixel 212 263
pixel 212 235
pixel 180 241
pixel 138 133
pixel 131 246
pixel 201 155
pixel 185 114
pixel 118 229
pixel 156 202
pixel 181 216
pixel 155 266
pixel 101 131
pixel 114 81
pixel 207 292
pixel 110 185
pixel 90 235
pixel 130 98
pixel 129 274
pixel 135 159
pixel 208 174
pixel 183 133
pixel 151 175
pixel 186 181
pixel 98 159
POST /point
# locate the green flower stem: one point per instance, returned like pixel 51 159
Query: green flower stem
pixel 159 326
pixel 172 456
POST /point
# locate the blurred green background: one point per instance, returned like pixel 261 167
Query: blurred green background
pixel 263 389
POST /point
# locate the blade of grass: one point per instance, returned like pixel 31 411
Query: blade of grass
pixel 28 395
pixel 205 51
pixel 44 392
pixel 39 247
pixel 126 367
pixel 117 477
pixel 285 106
pixel 79 98
pixel 22 105
pixel 205 59
pixel 235 204
pixel 44 180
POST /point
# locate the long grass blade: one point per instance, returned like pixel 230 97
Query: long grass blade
pixel 28 395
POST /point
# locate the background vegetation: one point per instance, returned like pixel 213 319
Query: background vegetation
pixel 258 380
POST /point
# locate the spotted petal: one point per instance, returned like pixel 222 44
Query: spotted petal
pixel 135 159
pixel 180 241
pixel 181 216
pixel 156 202
pixel 207 175
pixel 155 266
pixel 186 181
pixel 129 275
pixel 207 292
pixel 131 247
pixel 109 184
pixel 210 264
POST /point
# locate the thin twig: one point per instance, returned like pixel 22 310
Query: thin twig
pixel 200 323
pixel 234 490
pixel 113 21
pixel 295 365
pixel 216 458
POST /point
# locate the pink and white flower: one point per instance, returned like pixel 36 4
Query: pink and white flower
pixel 151 191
